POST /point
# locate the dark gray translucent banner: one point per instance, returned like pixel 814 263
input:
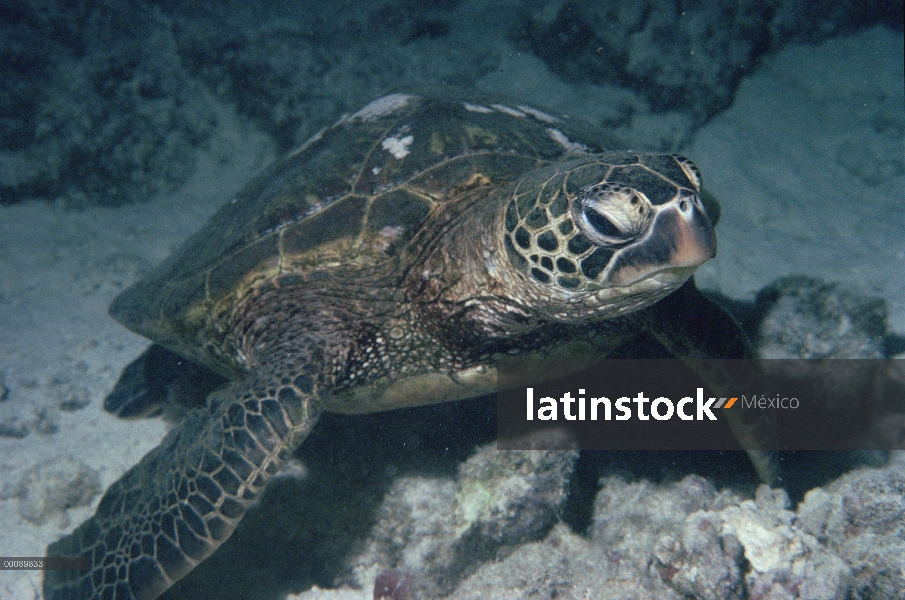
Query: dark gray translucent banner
pixel 701 404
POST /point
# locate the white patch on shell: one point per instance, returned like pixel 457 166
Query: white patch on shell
pixel 391 232
pixel 375 170
pixel 509 111
pixel 386 236
pixel 539 114
pixel 382 106
pixel 476 108
pixel 560 138
pixel 397 146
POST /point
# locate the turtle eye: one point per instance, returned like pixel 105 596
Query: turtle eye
pixel 602 225
pixel 611 215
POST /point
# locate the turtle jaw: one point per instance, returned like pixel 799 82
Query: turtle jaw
pixel 671 277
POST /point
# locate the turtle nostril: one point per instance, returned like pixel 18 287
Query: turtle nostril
pixel 683 206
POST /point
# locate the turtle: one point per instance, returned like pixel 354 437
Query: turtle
pixel 392 260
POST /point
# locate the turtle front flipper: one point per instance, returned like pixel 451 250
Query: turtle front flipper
pixel 157 378
pixel 692 327
pixel 185 497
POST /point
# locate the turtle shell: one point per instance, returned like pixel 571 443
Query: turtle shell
pixel 352 196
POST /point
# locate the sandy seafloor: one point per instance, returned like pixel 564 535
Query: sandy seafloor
pixel 807 163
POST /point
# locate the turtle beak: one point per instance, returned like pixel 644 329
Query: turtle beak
pixel 680 239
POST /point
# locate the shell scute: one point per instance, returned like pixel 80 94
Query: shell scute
pixel 396 215
pixel 341 219
pixel 223 276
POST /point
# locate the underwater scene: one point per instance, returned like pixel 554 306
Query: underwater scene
pixel 262 263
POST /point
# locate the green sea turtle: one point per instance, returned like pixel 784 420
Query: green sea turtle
pixel 388 262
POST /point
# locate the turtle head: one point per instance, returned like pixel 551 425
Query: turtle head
pixel 607 233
